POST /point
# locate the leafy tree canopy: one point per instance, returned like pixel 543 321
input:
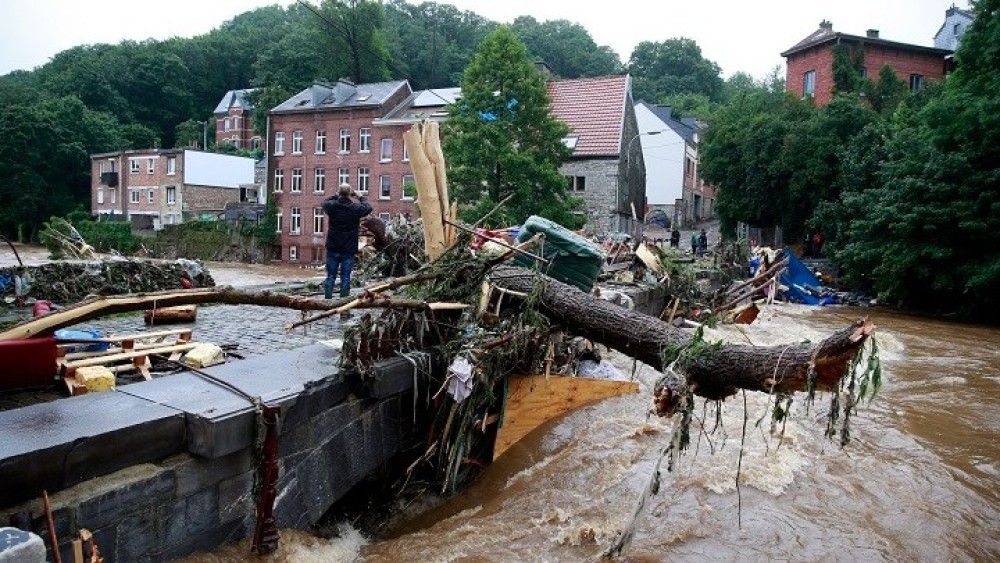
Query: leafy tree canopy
pixel 674 66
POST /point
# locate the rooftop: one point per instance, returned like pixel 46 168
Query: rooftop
pixel 825 34
pixel 235 98
pixel 342 94
pixel 594 110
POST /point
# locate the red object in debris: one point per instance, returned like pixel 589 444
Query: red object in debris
pixel 41 307
pixel 27 362
pixel 186 283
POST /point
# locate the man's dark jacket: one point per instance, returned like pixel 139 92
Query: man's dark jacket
pixel 345 220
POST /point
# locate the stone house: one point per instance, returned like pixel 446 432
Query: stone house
pixel 670 152
pixel 155 187
pixel 325 136
pixel 234 120
pixel 810 61
pixel 606 167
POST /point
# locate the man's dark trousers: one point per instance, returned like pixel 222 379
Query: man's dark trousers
pixel 338 261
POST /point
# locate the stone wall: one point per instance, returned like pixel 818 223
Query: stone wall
pixel 170 470
pixel 600 196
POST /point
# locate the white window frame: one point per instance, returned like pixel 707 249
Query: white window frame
pixel 227 124
pixel 365 176
pixel 402 187
pixel 278 217
pixel 384 181
pixel 150 166
pixel 319 220
pixel 149 196
pixel 279 180
pixel 133 196
pixel 345 141
pixel 114 196
pixel 279 143
pixel 293 253
pixel 133 166
pixel 406 153
pixel 319 180
pixel 364 139
pixel 171 165
pixel 297 141
pixel 255 143
pixel 100 196
pixel 296 187
pixel 343 176
pixel 295 222
pixel 809 86
pixel 385 216
pixel 320 141
pixel 384 154
pixel 171 195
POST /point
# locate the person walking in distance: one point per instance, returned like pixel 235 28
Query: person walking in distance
pixel 342 236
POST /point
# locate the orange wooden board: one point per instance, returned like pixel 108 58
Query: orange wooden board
pixel 533 400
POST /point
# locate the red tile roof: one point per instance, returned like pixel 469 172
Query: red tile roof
pixel 594 110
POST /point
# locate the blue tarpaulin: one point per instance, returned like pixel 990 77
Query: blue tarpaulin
pixel 803 286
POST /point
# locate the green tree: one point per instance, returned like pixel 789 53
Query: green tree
pixel 886 92
pixel 189 133
pixel 847 65
pixel 566 47
pixel 674 66
pixel 264 100
pixel 502 139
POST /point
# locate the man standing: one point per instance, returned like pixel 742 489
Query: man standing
pixel 342 237
pixel 675 238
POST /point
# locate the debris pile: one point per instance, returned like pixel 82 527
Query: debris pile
pixel 69 282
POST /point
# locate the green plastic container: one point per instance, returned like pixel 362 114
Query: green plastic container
pixel 572 258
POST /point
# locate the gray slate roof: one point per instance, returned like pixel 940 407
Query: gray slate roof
pixel 342 94
pixel 235 98
pixel 685 128
pixel 825 35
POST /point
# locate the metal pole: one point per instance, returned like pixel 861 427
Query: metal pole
pixel 204 133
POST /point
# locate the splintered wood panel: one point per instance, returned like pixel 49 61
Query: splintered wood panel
pixel 533 400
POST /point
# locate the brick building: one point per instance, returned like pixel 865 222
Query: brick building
pixel 234 120
pixel 324 136
pixel 155 187
pixel 810 61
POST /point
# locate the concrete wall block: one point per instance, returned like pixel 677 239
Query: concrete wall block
pixel 333 421
pixel 236 499
pixel 141 535
pixel 390 377
pixel 111 506
pixel 195 514
pixel 317 396
pixel 194 473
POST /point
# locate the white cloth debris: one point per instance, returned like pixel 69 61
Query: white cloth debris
pixel 460 379
pixel 599 370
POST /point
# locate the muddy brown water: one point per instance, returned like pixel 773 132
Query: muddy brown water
pixel 920 479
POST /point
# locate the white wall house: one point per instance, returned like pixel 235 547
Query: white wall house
pixel 663 151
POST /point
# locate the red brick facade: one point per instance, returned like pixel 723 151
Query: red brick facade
pixel 236 128
pixel 291 131
pixel 815 54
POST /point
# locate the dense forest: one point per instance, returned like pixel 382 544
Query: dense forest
pixel 95 98
pixel 904 186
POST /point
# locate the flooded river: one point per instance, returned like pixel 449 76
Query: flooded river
pixel 920 479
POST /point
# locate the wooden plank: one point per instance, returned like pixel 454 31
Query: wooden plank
pixel 129 355
pixel 533 400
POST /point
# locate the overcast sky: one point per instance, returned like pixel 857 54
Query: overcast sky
pixel 743 35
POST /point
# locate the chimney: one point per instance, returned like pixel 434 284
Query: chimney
pixel 872 33
pixel 826 24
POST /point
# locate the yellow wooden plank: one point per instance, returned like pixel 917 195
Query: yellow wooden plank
pixel 533 400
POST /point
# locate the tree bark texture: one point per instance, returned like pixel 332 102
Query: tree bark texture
pixel 714 371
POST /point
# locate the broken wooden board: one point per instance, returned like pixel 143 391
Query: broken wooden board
pixel 533 400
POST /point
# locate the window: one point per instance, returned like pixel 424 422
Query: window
pixel 171 195
pixel 296 226
pixel 296 142
pixel 293 253
pixel 318 219
pixel 385 217
pixel 576 183
pixel 133 166
pixel 320 183
pixel 100 196
pixel 864 72
pixel 916 82
pixel 236 123
pixel 385 154
pixel 409 187
pixel 345 140
pixel 133 196
pixel 171 165
pixel 149 197
pixel 318 256
pixel 227 125
pixel 343 177
pixel 364 139
pixel 255 143
pixel 363 180
pixel 277 217
pixel 296 180
pixel 321 141
pixel 279 143
pixel 406 153
pixel 114 197
pixel 955 29
pixel 385 187
pixel 809 83
pixel 279 180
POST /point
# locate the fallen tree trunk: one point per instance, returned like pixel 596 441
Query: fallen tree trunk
pixel 716 371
